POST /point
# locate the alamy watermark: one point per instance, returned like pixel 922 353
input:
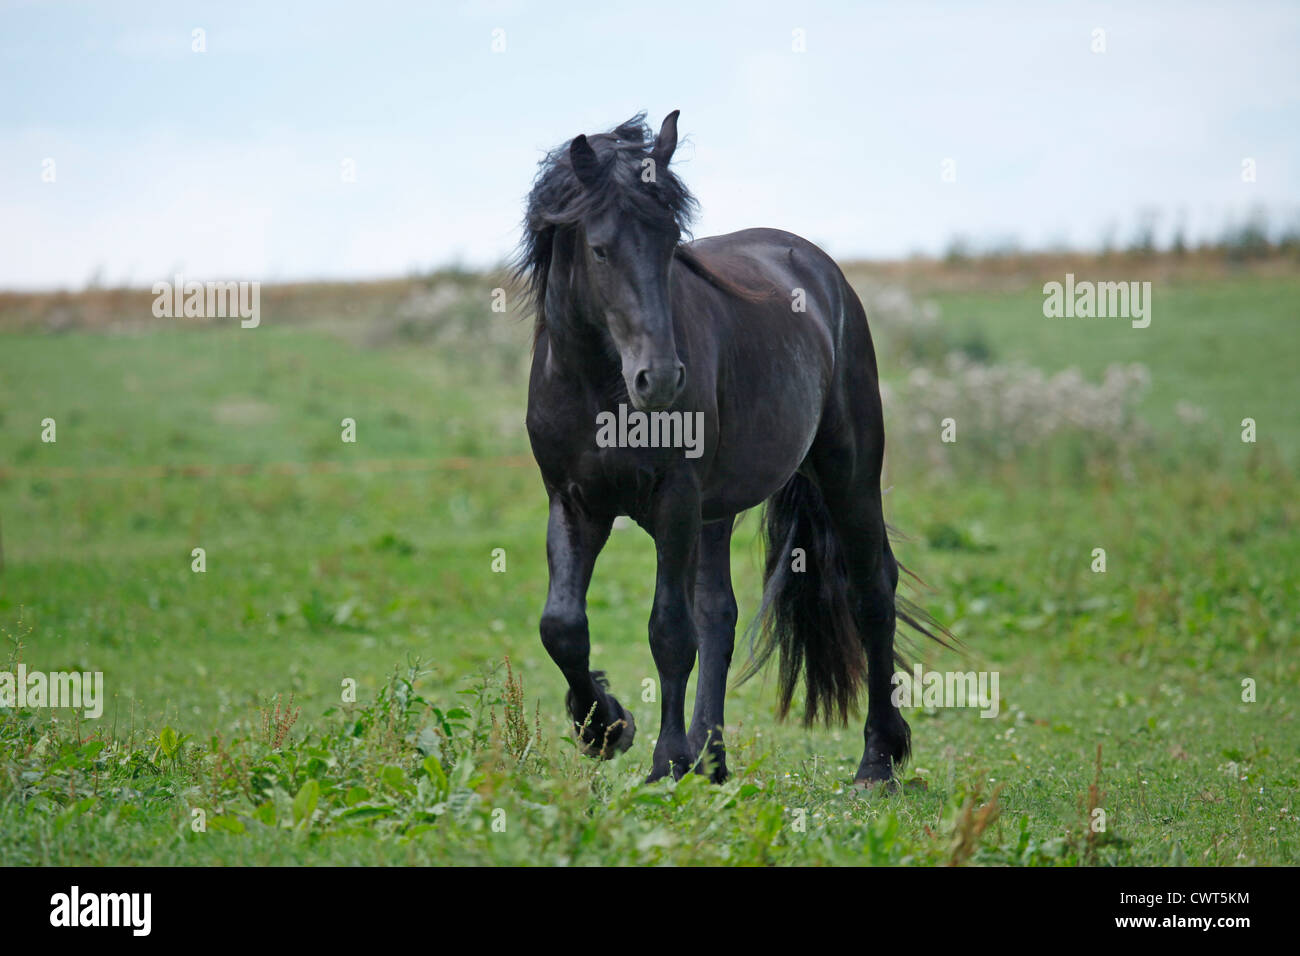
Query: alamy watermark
pixel 208 300
pixel 1101 300
pixel 636 429
pixel 84 691
pixel 129 910
pixel 947 689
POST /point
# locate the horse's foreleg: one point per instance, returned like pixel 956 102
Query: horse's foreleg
pixel 715 621
pixel 573 540
pixel 675 526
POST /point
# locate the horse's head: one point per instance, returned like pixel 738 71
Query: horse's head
pixel 622 251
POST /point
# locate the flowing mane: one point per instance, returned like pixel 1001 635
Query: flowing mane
pixel 558 201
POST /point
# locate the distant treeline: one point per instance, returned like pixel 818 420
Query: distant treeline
pixel 1256 236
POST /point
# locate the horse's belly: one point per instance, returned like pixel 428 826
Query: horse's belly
pixel 768 418
pixel 756 456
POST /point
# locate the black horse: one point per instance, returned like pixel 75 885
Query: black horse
pixel 758 337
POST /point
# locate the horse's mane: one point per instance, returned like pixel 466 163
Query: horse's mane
pixel 559 200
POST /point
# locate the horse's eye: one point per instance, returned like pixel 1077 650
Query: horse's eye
pixel 599 253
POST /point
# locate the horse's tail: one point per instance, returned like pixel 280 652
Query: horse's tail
pixel 913 615
pixel 806 612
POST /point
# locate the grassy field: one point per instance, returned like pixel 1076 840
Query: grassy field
pixel 229 734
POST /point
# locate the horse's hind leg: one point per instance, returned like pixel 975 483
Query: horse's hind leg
pixel 886 737
pixel 715 622
pixel 851 488
pixel 573 540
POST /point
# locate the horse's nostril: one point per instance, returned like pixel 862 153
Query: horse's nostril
pixel 642 380
pixel 681 376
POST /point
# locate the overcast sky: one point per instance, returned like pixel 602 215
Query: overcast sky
pixel 230 163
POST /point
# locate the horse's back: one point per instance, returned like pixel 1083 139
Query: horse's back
pixel 769 310
pixel 798 278
pixel 791 269
pixel 775 251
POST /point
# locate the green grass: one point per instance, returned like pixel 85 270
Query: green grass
pixel 1230 347
pixel 320 577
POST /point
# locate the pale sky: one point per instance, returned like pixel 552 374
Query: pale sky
pixel 227 164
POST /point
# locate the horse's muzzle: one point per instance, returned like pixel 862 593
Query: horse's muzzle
pixel 655 388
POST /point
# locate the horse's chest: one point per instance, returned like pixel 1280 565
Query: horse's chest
pixel 601 480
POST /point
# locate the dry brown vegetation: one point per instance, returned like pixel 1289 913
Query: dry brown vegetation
pixel 389 308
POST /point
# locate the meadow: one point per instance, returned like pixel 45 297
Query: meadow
pixel 349 679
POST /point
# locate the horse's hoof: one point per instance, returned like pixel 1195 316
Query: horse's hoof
pixel 717 774
pixel 620 734
pixel 615 739
pixel 711 762
pixel 877 776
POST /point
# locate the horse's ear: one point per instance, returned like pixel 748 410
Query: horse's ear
pixel 585 164
pixel 666 143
